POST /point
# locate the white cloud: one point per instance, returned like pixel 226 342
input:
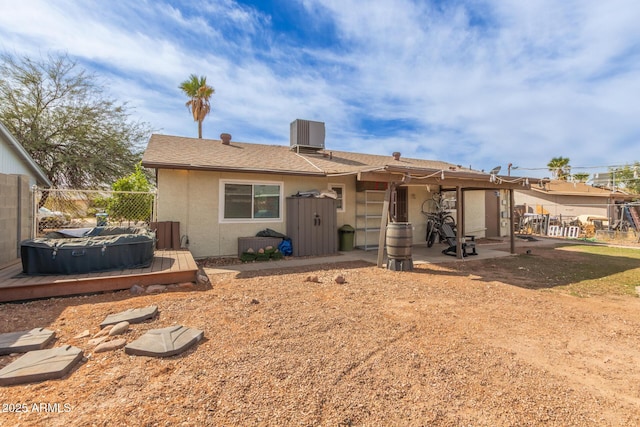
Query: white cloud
pixel 478 82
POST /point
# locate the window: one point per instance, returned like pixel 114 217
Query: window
pixel 251 201
pixel 339 189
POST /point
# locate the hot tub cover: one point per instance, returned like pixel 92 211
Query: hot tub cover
pixel 100 249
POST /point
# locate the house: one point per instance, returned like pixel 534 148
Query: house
pixel 568 201
pixel 18 172
pixel 219 190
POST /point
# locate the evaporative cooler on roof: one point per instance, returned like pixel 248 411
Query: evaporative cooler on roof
pixel 307 135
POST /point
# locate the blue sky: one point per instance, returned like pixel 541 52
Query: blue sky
pixel 479 83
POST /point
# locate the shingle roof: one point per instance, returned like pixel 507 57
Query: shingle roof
pixel 565 188
pixel 175 152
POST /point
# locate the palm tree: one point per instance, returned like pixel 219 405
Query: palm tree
pixel 559 168
pixel 199 92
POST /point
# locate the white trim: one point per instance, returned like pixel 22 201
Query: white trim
pixel 344 196
pixel 221 199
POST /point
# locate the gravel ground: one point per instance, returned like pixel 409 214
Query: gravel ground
pixel 458 344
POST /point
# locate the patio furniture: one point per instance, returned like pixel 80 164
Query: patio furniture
pixel 468 246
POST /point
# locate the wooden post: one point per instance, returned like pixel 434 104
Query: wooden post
pixel 512 239
pixel 460 221
pixel 383 224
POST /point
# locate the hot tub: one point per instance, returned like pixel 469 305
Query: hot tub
pixel 98 249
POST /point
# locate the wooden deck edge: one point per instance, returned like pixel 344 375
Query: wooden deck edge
pixel 94 285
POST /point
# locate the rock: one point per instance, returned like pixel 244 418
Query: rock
pixel 202 278
pixel 83 334
pixel 104 331
pixel 110 345
pixel 186 285
pixel 255 301
pixel 313 279
pixel 339 279
pixel 119 328
pixel 97 341
pixel 152 289
pixel 137 290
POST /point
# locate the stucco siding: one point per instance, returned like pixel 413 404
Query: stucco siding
pixel 193 199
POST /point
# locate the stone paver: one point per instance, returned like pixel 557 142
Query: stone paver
pixel 40 365
pixel 164 342
pixel 133 315
pixel 23 341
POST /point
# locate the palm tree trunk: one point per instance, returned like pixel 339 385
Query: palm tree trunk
pixel 200 129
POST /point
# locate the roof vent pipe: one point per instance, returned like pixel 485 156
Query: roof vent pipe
pixel 226 138
pixel 396 155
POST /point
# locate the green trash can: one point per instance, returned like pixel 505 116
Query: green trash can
pixel 347 233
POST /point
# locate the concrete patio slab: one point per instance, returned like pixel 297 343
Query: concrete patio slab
pixel 164 342
pixel 40 365
pixel 133 315
pixel 23 341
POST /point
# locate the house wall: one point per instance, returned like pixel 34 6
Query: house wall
pixel 12 163
pixel 474 217
pixel 567 206
pixel 193 199
pixel 15 216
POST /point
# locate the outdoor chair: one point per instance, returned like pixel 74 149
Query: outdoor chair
pixel 468 246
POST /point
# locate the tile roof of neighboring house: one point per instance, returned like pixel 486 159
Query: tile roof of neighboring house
pixel 175 152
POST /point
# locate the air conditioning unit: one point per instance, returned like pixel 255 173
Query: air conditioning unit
pixel 307 134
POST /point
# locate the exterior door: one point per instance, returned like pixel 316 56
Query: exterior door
pixel 492 213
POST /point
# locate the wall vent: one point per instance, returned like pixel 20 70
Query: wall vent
pixel 307 134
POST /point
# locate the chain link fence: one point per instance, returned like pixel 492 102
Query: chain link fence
pixel 63 208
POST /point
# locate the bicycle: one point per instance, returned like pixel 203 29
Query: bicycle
pixel 436 219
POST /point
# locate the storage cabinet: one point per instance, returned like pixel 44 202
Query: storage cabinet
pixel 312 225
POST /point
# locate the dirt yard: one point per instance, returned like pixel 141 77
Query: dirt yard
pixel 503 342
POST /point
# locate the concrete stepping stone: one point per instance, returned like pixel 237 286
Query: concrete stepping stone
pixel 23 341
pixel 40 365
pixel 133 315
pixel 164 342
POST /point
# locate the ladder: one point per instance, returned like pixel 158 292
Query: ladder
pixel 635 216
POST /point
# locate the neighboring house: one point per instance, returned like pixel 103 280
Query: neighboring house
pixel 570 200
pixel 18 172
pixel 221 190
